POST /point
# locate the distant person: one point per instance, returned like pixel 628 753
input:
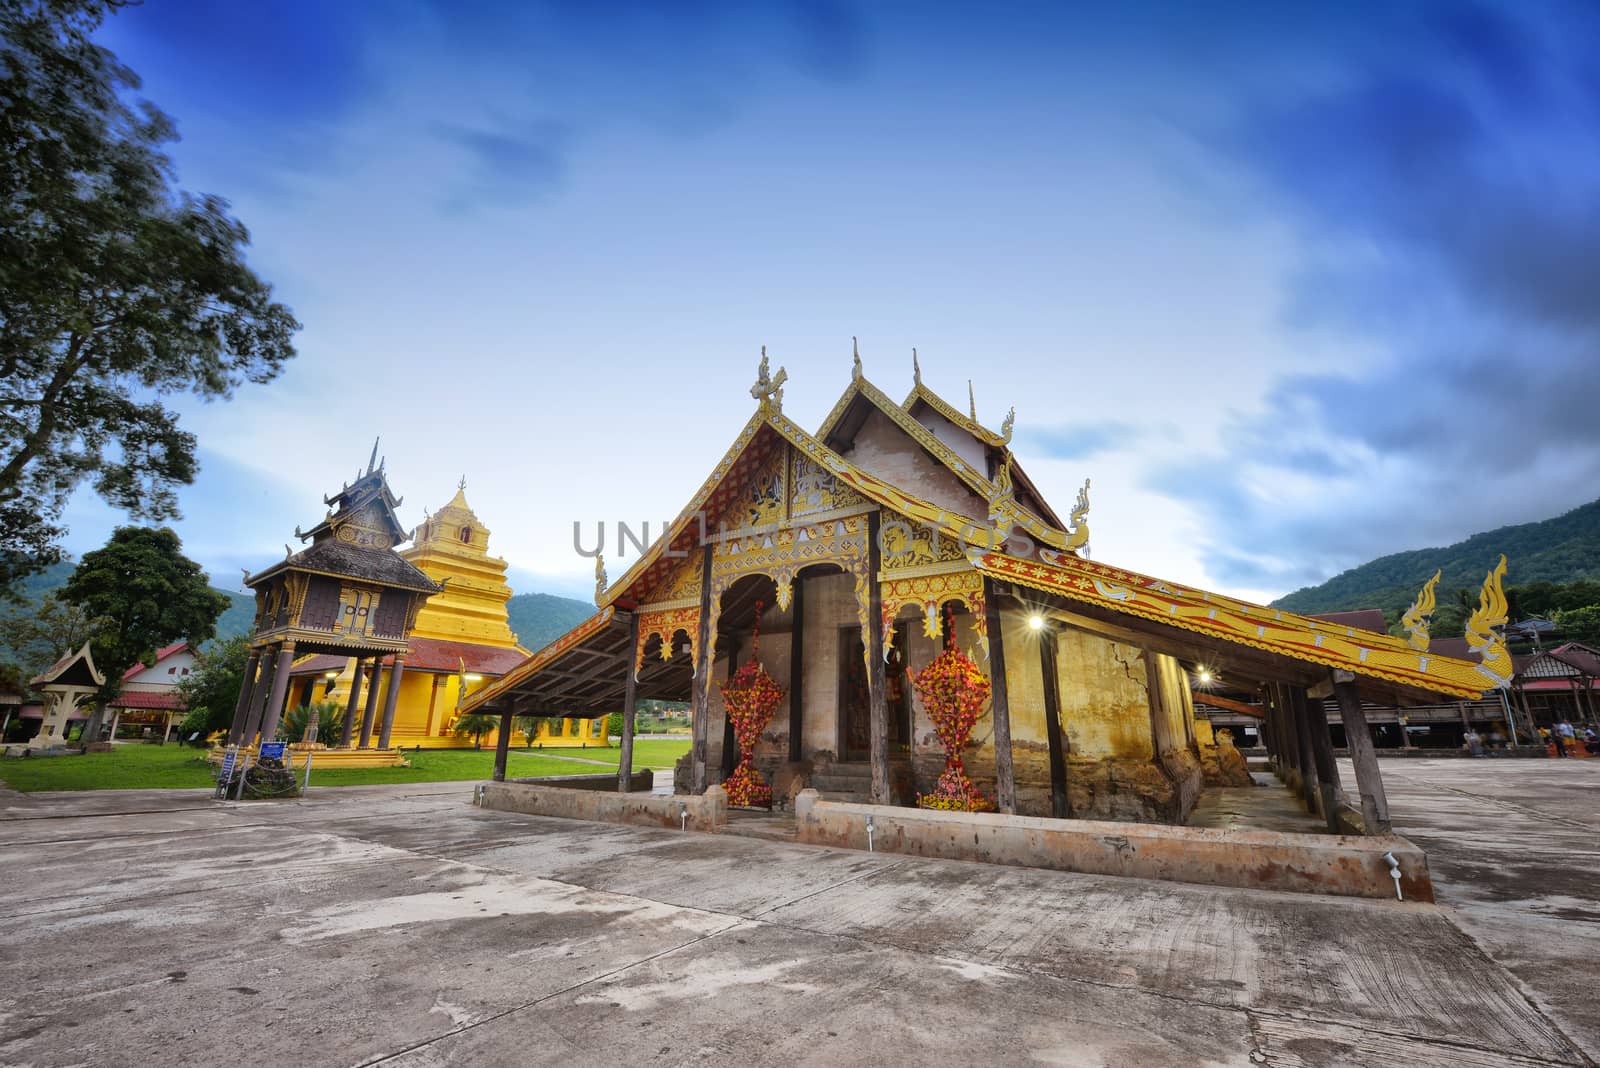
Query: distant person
pixel 1496 739
pixel 1591 740
pixel 1564 736
pixel 1474 742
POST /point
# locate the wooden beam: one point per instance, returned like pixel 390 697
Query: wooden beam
pixel 877 685
pixel 1309 792
pixel 502 745
pixel 1330 793
pixel 1052 723
pixel 1231 705
pixel 702 679
pixel 630 694
pixel 1369 780
pixel 797 672
pixel 1005 785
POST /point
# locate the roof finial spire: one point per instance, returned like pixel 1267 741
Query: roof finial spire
pixel 769 389
pixel 1006 427
pixel 462 485
pixel 972 402
pixel 916 368
pixel 373 462
pixel 855 353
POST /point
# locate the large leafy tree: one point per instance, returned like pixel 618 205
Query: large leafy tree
pixel 211 690
pixel 146 594
pixel 117 291
pixel 37 635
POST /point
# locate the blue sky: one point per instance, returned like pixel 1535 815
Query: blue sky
pixel 1295 285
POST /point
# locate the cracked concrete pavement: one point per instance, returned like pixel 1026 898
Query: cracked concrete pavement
pixel 399 925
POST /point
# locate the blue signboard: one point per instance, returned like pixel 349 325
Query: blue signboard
pixel 273 750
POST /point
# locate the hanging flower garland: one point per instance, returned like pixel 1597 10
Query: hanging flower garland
pixel 954 691
pixel 751 696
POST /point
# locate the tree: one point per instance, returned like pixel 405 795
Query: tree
pixel 39 635
pixel 116 289
pixel 211 690
pixel 147 594
pixel 476 724
pixel 1580 624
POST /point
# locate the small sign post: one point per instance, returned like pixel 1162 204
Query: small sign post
pixel 272 750
pixel 225 774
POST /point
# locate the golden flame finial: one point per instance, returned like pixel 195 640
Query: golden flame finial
pixel 769 389
pixel 1007 426
pixel 600 580
pixel 1080 522
pixel 855 354
pixel 1419 617
pixel 1484 636
pixel 972 402
pixel 916 368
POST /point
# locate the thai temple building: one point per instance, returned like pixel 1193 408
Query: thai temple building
pixel 847 559
pixel 461 639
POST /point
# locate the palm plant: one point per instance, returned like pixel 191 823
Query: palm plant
pixel 330 722
pixel 476 724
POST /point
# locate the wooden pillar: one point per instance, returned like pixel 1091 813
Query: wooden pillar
pixel 347 731
pixel 502 743
pixel 1329 791
pixel 166 731
pixel 630 702
pixel 116 719
pixel 241 707
pixel 1309 779
pixel 797 669
pixel 262 694
pixel 280 692
pixel 396 674
pixel 1369 780
pixel 370 715
pixel 704 657
pixel 1005 777
pixel 877 685
pixel 730 742
pixel 1052 722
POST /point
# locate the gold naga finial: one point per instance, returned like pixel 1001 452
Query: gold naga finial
pixel 769 390
pixel 855 354
pixel 1006 427
pixel 600 580
pixel 1419 617
pixel 972 402
pixel 1080 522
pixel 1484 636
pixel 916 368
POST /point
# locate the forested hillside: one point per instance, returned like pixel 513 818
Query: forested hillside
pixel 1560 550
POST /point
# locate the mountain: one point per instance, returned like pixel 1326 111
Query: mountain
pixel 1559 550
pixel 540 618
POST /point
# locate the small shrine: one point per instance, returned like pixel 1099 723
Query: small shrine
pixel 68 683
pixel 348 594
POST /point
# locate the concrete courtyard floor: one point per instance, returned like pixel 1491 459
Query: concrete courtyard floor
pixel 401 926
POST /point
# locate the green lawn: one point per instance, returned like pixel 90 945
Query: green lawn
pixel 130 767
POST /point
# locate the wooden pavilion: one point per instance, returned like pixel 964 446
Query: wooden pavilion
pixel 865 547
pixel 348 593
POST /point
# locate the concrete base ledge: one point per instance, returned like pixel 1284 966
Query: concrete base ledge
pixel 708 812
pixel 1263 860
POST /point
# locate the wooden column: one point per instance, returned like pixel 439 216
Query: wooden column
pixel 1328 789
pixel 262 694
pixel 704 657
pixel 396 673
pixel 797 670
pixel 348 730
pixel 1369 780
pixel 877 687
pixel 730 743
pixel 1309 779
pixel 370 715
pixel 280 692
pixel 1005 776
pixel 241 707
pixel 630 702
pixel 1052 722
pixel 502 744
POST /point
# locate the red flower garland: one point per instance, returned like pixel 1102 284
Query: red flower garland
pixel 750 697
pixel 954 691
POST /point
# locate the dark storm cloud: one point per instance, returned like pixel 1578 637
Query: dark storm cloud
pixel 1448 222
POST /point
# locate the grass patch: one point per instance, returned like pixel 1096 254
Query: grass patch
pixel 139 767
